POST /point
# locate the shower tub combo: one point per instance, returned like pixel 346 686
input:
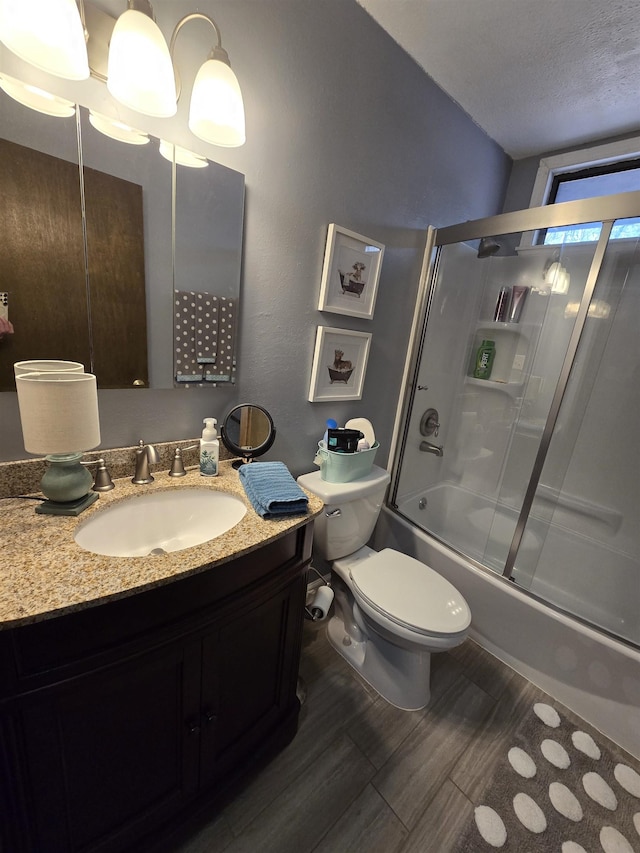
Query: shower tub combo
pixel 523 487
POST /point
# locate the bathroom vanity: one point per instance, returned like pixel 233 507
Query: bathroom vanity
pixel 157 687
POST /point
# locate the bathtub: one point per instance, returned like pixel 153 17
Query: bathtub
pixel 596 676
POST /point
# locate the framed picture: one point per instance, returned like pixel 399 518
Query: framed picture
pixel 350 273
pixel 339 364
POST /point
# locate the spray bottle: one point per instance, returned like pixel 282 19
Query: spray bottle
pixel 209 449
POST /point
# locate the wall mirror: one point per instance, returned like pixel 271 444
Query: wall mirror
pixel 151 225
pixel 247 431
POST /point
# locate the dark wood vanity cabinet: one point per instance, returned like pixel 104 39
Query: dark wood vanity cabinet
pixel 118 721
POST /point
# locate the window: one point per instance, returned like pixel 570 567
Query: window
pixel 604 170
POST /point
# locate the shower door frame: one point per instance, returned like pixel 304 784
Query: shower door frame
pixel 603 209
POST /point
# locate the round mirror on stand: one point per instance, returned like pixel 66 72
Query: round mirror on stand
pixel 247 431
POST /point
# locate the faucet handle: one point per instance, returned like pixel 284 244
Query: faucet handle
pixel 103 481
pixel 177 466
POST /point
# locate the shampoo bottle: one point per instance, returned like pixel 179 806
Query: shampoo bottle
pixel 209 449
pixel 484 359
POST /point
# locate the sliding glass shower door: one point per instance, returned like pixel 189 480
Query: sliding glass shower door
pixel 530 469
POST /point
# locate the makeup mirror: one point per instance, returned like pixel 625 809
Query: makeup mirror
pixel 247 431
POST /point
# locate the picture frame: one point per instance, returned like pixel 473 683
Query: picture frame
pixel 339 364
pixel 350 273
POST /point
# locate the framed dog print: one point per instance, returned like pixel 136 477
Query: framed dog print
pixel 350 273
pixel 339 364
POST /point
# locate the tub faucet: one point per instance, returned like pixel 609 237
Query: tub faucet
pixel 427 447
pixel 146 455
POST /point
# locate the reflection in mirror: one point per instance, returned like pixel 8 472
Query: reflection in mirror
pixel 206 294
pixel 99 311
pixel 42 267
pixel 248 431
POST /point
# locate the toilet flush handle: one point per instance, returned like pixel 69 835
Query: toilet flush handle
pixel 333 513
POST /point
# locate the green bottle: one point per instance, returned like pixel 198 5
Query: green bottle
pixel 484 360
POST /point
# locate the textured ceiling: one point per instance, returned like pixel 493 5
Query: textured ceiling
pixel 536 75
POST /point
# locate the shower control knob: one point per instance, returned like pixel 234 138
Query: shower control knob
pixel 430 423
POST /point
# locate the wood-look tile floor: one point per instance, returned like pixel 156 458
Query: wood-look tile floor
pixel 363 777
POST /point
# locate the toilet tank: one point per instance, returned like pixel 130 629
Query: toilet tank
pixel 350 511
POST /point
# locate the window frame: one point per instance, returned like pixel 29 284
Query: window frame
pixel 572 161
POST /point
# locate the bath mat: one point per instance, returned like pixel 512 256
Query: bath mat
pixel 557 789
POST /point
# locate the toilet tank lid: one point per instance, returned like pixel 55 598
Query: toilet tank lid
pixel 331 493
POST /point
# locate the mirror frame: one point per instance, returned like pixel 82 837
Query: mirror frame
pixel 247 454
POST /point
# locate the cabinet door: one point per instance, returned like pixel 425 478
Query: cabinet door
pixel 109 755
pixel 249 675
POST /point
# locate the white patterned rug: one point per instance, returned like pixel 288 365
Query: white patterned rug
pixel 557 789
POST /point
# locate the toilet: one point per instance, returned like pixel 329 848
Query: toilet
pixel 391 611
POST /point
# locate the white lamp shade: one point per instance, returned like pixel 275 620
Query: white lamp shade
pixel 46 33
pixel 115 129
pixel 183 156
pixel 58 412
pixel 216 113
pixel 36 99
pixel 47 365
pixel 139 70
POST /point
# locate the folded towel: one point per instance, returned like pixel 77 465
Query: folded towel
pixel 272 490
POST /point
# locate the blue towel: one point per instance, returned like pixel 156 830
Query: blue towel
pixel 272 490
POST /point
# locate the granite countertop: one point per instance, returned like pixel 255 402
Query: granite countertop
pixel 44 573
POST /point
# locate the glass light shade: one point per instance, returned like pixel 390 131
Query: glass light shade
pixel 184 157
pixel 58 412
pixel 49 365
pixel 557 278
pixel 46 33
pixel 139 70
pixel 216 113
pixel 36 99
pixel 117 130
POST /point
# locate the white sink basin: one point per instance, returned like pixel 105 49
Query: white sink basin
pixel 159 522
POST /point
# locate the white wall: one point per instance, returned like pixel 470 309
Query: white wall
pixel 342 126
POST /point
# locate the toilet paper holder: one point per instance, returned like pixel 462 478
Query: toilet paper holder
pixel 318 608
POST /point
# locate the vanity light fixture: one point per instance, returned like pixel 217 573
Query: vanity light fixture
pixel 35 98
pixel 49 34
pixel 117 130
pixel 131 55
pixel 556 278
pixel 59 417
pixel 183 156
pixel 140 72
pixel 140 75
pixel 216 111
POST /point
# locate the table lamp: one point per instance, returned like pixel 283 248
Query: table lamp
pixel 59 417
pixel 47 365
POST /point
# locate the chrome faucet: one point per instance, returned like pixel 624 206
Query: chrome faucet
pixel 146 455
pixel 427 447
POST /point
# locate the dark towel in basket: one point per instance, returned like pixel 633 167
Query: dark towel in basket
pixel 272 490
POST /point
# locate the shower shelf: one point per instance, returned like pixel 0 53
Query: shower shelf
pixel 513 344
pixel 514 389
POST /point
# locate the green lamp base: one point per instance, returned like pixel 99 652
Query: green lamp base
pixel 67 485
pixel 67 507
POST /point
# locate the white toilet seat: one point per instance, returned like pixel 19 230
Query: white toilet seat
pixel 409 598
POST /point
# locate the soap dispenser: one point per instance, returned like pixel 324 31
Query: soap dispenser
pixel 209 449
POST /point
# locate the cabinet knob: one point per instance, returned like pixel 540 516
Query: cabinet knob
pixel 209 716
pixel 194 728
